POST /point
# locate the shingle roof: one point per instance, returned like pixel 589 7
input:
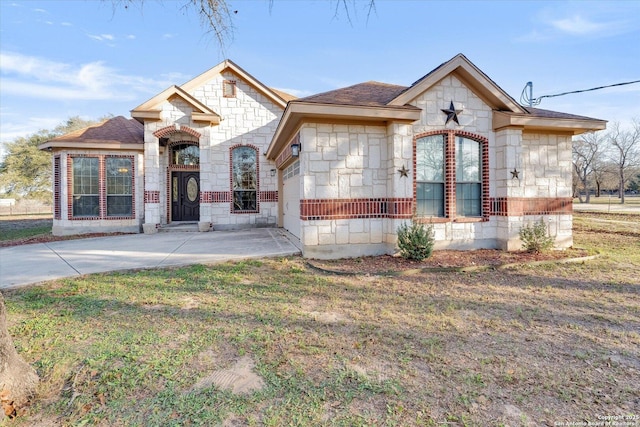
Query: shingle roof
pixel 115 130
pixel 284 95
pixel 371 94
pixel 376 94
pixel 548 114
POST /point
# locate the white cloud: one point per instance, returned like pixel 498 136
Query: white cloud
pixel 579 26
pixel 131 37
pixel 29 76
pixel 26 126
pixel 40 10
pixel 66 24
pixel 102 37
pixel 168 36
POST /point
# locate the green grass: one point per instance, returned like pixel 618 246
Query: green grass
pixel 557 342
pixel 23 233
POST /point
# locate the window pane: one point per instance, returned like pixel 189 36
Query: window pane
pixel 245 178
pixel 468 177
pixel 118 205
pixel 86 199
pixel 185 155
pixel 430 158
pixel 119 186
pixel 86 206
pixel 430 176
pixel 430 199
pixel 244 200
pixel 467 160
pixel 468 199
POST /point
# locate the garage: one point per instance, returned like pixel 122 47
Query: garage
pixel 291 199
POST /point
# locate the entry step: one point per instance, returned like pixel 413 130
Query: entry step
pixel 177 227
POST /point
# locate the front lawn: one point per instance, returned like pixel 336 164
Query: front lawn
pixel 522 346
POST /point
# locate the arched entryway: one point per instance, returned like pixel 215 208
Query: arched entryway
pixel 184 185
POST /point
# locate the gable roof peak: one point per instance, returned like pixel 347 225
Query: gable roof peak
pixel 473 77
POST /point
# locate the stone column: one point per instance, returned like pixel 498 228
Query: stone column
pixel 151 184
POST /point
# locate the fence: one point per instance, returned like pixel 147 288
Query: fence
pixel 25 207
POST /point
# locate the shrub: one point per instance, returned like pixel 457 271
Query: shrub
pixel 536 238
pixel 415 241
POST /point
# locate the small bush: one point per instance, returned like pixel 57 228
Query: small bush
pixel 415 241
pixel 536 238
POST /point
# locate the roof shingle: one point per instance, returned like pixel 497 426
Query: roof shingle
pixel 115 130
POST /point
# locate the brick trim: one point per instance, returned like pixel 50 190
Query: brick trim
pixel 324 209
pixel 175 128
pixel 151 197
pixel 268 196
pixel 520 206
pixel 57 186
pixel 215 197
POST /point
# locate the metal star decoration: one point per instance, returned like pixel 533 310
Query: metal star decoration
pixel 404 172
pixel 515 174
pixel 452 113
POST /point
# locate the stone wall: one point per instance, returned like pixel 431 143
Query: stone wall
pixel 249 118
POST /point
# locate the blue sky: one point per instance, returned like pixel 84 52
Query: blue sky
pixel 64 58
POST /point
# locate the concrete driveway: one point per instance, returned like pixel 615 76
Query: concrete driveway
pixel 28 264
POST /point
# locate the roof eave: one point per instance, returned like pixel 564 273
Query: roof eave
pixel 94 145
pixel 297 113
pixel 575 126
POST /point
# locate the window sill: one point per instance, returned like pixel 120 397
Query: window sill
pixel 469 219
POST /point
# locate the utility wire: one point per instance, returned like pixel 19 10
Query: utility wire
pixel 526 100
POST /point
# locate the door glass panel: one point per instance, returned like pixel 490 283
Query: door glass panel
pixel 192 189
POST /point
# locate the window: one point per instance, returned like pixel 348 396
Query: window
pixel 430 176
pixel 119 191
pixel 468 177
pixel 185 154
pixel 450 175
pixel 244 179
pixel 229 89
pixel 86 190
pixel 101 187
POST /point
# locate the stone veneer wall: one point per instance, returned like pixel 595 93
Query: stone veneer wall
pixel 63 222
pixel 249 118
pixel 353 198
pixel 345 183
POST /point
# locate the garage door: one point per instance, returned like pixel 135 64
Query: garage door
pixel 291 199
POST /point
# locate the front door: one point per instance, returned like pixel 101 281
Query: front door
pixel 185 200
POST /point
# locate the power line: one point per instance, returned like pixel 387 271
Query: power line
pixel 526 97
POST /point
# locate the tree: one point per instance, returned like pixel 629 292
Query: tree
pixel 586 154
pixel 18 380
pixel 217 17
pixel 25 170
pixel 625 154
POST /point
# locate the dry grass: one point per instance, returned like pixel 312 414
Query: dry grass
pixel 524 346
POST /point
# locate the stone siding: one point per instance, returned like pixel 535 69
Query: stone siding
pixel 249 118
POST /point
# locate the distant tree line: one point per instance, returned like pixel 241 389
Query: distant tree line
pixel 607 161
pixel 25 171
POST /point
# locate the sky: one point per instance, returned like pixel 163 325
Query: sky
pixel 87 58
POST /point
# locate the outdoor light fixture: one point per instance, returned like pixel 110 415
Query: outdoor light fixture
pixel 273 172
pixel 295 150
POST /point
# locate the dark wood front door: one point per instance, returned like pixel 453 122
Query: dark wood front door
pixel 185 196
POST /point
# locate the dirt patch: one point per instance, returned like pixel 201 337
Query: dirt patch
pixel 239 378
pixel 443 259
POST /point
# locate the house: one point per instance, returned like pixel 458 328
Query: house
pixel 340 170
